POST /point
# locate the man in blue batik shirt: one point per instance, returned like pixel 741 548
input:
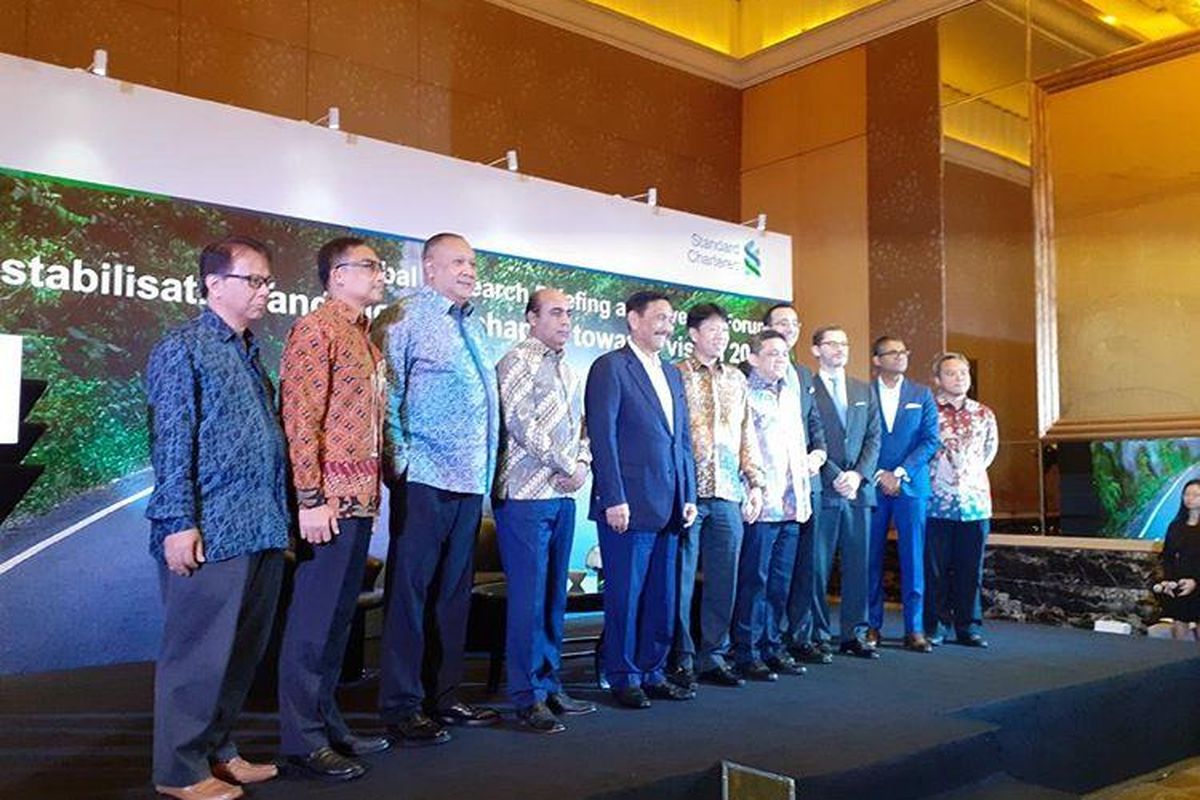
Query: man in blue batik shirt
pixel 440 444
pixel 219 523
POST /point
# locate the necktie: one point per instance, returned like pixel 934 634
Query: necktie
pixel 838 403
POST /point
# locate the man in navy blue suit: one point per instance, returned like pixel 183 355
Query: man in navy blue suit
pixel 850 417
pixel 643 494
pixel 908 440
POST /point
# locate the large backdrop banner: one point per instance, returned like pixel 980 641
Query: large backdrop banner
pixel 104 205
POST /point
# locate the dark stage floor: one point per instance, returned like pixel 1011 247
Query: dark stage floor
pixel 1062 709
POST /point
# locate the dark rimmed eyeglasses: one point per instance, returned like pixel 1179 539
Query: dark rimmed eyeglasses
pixel 255 282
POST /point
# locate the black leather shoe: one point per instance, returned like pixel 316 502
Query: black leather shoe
pixel 563 703
pixel 685 678
pixel 327 763
pixel 631 697
pixel 857 648
pixel 539 719
pixel 722 676
pixel 974 640
pixel 467 715
pixel 362 745
pixel 917 643
pixel 811 654
pixel 784 665
pixel 418 730
pixel 668 691
pixel 757 671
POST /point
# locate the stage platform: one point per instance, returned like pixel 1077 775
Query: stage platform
pixel 1044 713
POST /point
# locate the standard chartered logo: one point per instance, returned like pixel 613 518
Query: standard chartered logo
pixel 752 259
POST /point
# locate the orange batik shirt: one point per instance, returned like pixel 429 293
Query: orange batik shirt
pixel 332 389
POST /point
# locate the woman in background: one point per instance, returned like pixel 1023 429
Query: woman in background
pixel 1176 590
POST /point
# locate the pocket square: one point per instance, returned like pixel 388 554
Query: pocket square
pixel 860 402
pixel 912 405
pixel 812 390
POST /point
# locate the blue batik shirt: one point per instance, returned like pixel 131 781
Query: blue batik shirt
pixel 217 447
pixel 443 422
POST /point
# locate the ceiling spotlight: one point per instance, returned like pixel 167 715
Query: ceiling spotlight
pixel 509 159
pixel 331 120
pixel 650 196
pixel 99 65
pixel 759 223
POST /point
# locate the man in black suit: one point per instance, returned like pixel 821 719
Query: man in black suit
pixel 850 414
pixel 783 319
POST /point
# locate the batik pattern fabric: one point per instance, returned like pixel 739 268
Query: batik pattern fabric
pixel 443 411
pixel 216 444
pixel 541 404
pixel 331 385
pixel 779 426
pixel 724 444
pixel 958 471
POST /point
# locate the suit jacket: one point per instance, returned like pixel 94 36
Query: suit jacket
pixel 913 439
pixel 853 447
pixel 814 427
pixel 636 459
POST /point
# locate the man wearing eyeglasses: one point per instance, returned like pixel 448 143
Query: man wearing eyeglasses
pixel 219 523
pixel 331 385
pixel 908 440
pixel 850 415
pixel 440 442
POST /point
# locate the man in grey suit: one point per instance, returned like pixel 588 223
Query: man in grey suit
pixel 850 415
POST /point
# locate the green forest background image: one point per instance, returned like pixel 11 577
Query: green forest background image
pixel 92 349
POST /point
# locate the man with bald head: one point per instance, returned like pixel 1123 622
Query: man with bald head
pixel 439 457
pixel 544 460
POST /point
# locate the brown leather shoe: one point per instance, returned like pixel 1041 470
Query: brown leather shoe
pixel 917 643
pixel 873 637
pixel 239 770
pixel 207 789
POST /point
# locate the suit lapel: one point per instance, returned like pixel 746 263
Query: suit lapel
pixel 825 404
pixel 634 365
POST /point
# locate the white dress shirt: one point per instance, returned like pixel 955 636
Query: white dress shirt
pixel 840 395
pixel 658 379
pixel 889 402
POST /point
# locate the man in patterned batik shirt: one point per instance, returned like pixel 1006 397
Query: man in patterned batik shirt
pixel 544 460
pixel 960 506
pixel 769 547
pixel 218 523
pixel 331 384
pixel 443 422
pixel 729 480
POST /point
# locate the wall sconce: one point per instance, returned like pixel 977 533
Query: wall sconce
pixel 650 196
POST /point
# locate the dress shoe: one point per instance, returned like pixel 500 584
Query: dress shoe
pixel 812 654
pixel 683 677
pixel 325 762
pixel 973 640
pixel 362 745
pixel 757 671
pixel 631 697
pixel 418 730
pixel 467 715
pixel 917 643
pixel 668 691
pixel 563 703
pixel 873 637
pixel 722 676
pixel 539 719
pixel 207 789
pixel 784 665
pixel 858 648
pixel 240 771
